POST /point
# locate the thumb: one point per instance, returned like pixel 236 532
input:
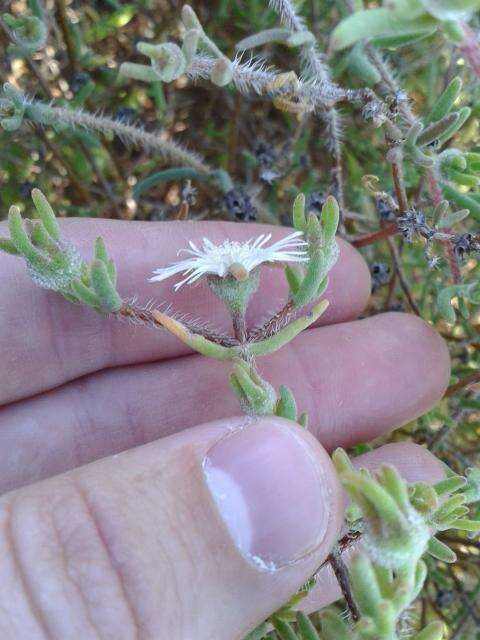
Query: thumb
pixel 200 535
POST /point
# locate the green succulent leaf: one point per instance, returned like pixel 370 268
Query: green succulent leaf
pixel 403 40
pixel 46 214
pixel 264 37
pixel 7 246
pixel 286 406
pixel 433 631
pixel 446 102
pixel 305 627
pixel 299 219
pixel 166 175
pixel 29 32
pixel 333 627
pixel 439 550
pixel 273 343
pixel 371 23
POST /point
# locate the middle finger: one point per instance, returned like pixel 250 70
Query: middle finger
pixel 356 380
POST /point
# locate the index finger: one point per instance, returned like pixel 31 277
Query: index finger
pixel 45 341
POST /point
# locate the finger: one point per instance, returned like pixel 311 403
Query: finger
pixel 415 464
pixel 46 341
pixel 202 535
pixel 356 380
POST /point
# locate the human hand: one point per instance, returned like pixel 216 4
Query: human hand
pixel 171 539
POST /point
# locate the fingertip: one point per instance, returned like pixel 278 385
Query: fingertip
pixel 428 354
pixel 414 462
pixel 276 490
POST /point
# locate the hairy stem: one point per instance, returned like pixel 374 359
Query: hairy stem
pixel 146 316
pixel 318 70
pixel 168 150
pixel 341 573
pixel 239 327
pixel 272 325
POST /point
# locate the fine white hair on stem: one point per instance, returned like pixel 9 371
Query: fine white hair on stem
pixel 212 259
pixel 320 73
pixel 256 75
pixel 288 14
pixel 157 141
pixel 310 54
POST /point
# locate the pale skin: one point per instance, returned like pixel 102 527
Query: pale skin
pixel 99 545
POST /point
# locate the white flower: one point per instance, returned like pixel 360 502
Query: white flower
pixel 233 258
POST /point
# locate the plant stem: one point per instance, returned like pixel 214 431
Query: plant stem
pixel 239 327
pixel 399 183
pixel 169 150
pixel 341 573
pixel 375 236
pixel 277 321
pixel 473 378
pixel 145 316
pixel 321 73
pixel 67 36
pixel 401 277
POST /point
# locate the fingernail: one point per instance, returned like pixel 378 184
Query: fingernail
pixel 272 495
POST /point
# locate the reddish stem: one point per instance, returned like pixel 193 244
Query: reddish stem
pixel 470 49
pixel 473 378
pixel 370 238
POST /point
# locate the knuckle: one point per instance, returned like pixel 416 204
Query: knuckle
pixel 63 581
pixel 18 617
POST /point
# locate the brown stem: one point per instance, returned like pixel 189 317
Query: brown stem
pixel 375 236
pixel 146 316
pixel 401 277
pixel 391 289
pixel 33 68
pixel 399 183
pixel 473 378
pixel 182 211
pixel 269 328
pixel 341 573
pixel 239 327
pixel 67 36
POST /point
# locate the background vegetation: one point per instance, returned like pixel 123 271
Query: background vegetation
pixel 267 156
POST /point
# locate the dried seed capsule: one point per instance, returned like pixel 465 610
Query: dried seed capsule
pixel 239 204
